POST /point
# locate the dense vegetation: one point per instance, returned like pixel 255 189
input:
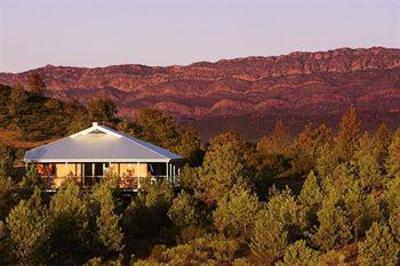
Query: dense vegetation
pixel 319 198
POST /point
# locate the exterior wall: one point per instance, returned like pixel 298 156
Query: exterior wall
pixel 130 169
pixel 130 173
pixel 63 169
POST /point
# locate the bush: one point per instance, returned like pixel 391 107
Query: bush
pixel 379 247
pixel 298 254
pixel 234 216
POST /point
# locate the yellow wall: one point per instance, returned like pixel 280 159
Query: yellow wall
pixel 127 171
pixel 130 173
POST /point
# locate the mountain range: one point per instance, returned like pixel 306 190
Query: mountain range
pixel 244 94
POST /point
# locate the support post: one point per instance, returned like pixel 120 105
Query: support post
pixel 166 173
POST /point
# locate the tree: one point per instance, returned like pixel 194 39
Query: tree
pixel 278 142
pixel 110 234
pixel 7 159
pixel 36 83
pixel 269 238
pixel 223 167
pixel 298 254
pixel 183 210
pixel 147 213
pixel 393 161
pixel 381 144
pixel 367 161
pixel 379 247
pixel 327 160
pixel 334 229
pixel 332 258
pixel 311 197
pixel 348 135
pixel 102 110
pixel 29 231
pixel 162 129
pixel 234 216
pixel 70 240
pixel 361 208
pixel 209 250
pixel 157 127
pixel 8 197
pixel 308 144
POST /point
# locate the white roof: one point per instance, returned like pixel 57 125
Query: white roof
pixel 99 144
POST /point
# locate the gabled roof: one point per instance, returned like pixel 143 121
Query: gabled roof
pixel 99 144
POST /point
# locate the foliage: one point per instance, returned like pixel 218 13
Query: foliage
pixel 69 213
pixel 269 238
pixel 102 110
pixel 347 139
pixel 7 159
pixel 311 197
pixel 110 233
pixel 334 226
pixel 29 230
pixel 234 216
pixel 379 247
pixel 183 211
pixel 35 117
pixel 393 161
pixel 223 167
pixel 298 254
pixel 210 250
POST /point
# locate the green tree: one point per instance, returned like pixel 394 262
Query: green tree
pixel 334 229
pixel 223 167
pixel 7 159
pixel 102 110
pixel 183 211
pixel 381 144
pixel 29 231
pixel 110 234
pixel 162 129
pixel 278 142
pixel 209 250
pixel 393 161
pixel 327 160
pixel 70 240
pixel 147 213
pixel 347 139
pixel 234 216
pixel 8 196
pixel 298 254
pixel 269 238
pixel 157 127
pixel 311 196
pixel 332 258
pixel 367 162
pixel 379 247
pixel 308 144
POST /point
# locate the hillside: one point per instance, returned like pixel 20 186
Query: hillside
pixel 247 94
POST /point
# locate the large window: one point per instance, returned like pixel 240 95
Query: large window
pixel 92 172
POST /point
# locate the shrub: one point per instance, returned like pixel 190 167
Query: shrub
pixel 379 247
pixel 298 254
pixel 234 216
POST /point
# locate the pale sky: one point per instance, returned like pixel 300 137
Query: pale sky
pixel 90 33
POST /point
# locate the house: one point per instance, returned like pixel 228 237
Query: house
pixel 91 153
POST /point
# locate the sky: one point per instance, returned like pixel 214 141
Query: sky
pixel 91 33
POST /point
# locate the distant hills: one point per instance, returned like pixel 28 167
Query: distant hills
pixel 244 94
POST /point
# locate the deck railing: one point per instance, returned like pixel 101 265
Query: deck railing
pixel 126 182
